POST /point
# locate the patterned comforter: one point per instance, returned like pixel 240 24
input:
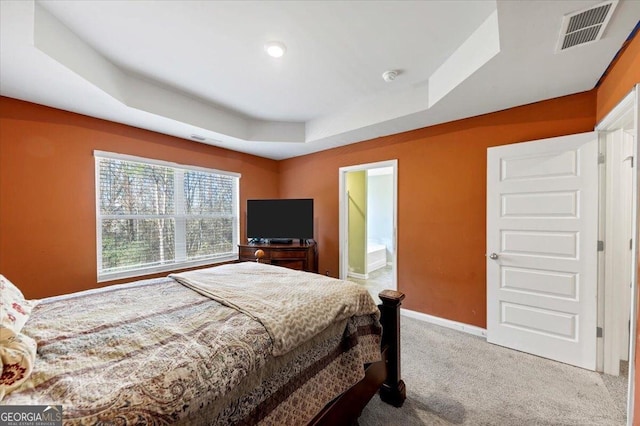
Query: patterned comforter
pixel 292 313
pixel 156 352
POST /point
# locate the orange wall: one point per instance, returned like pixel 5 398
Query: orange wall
pixel 441 198
pixel 47 189
pixel 622 75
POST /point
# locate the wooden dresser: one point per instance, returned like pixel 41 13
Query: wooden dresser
pixel 302 257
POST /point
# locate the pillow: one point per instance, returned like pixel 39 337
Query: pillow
pixel 17 356
pixel 14 309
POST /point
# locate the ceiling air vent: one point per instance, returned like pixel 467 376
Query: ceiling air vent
pixel 585 26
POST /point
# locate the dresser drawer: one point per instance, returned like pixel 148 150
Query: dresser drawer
pixel 302 257
pixel 288 254
pixel 291 264
pixel 247 253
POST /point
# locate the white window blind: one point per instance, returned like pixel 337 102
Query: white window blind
pixel 155 216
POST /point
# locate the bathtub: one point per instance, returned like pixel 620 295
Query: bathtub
pixel 376 256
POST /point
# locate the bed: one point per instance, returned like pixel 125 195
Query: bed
pixel 222 345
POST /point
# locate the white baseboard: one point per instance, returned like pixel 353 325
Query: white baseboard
pixel 376 265
pixel 358 276
pixel 471 329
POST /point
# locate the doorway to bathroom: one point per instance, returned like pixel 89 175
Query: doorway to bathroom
pixel 368 224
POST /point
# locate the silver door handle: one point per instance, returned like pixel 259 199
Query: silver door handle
pixel 493 256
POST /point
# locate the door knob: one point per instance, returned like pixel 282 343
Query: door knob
pixel 493 256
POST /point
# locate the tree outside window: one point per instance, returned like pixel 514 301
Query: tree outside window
pixel 154 216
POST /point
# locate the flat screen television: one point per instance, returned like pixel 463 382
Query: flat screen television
pixel 280 220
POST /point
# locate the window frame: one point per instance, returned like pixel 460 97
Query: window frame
pixel 180 260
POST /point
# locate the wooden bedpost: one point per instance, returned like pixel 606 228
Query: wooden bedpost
pixel 393 390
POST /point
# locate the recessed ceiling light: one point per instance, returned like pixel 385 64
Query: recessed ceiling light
pixel 275 49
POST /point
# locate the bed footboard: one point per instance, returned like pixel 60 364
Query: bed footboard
pixel 393 390
pixel 382 376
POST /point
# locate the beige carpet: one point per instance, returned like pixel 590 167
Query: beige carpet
pixel 454 378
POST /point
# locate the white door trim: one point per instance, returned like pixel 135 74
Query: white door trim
pixel 634 258
pixel 618 111
pixel 616 268
pixel 342 216
pixel 631 101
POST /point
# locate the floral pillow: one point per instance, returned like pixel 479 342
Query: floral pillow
pixel 14 309
pixel 17 356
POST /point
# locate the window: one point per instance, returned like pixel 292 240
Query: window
pixel 155 216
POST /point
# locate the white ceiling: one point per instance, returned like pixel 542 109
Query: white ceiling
pixel 199 67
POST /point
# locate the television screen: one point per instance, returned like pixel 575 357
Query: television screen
pixel 280 219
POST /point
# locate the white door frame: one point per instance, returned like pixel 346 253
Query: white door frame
pixel 343 211
pixel 631 101
pixel 615 261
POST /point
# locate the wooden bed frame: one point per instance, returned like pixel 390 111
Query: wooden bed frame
pixel 382 376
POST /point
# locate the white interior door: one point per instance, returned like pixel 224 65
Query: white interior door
pixel 542 223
